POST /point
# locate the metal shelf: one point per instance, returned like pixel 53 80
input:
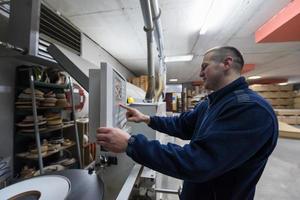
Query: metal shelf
pixel 32 134
pixel 42 108
pixel 48 153
pixel 50 85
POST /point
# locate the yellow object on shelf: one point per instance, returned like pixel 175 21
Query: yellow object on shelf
pixel 130 100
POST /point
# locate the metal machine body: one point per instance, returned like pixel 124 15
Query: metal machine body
pixel 107 88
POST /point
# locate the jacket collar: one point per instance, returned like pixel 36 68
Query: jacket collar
pixel 237 84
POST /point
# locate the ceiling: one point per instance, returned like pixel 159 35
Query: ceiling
pixel 117 25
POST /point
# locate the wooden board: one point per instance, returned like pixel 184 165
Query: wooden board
pixel 287 111
pixel 275 95
pixel 297 100
pixel 293 120
pixel 283 107
pixel 268 88
pixel 288 131
pixel 281 102
pixel 297 105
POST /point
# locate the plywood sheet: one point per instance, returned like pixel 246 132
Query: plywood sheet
pixel 288 131
pixel 287 111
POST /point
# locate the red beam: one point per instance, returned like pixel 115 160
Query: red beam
pixel 248 68
pixel 283 27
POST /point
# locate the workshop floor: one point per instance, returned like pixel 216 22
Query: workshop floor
pixel 280 180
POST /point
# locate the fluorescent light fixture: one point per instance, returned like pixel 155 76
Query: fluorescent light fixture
pixel 179 58
pixel 285 83
pixel 173 79
pixel 254 77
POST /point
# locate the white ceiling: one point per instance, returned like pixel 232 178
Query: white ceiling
pixel 117 25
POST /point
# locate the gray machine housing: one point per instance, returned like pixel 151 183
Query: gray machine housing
pixel 107 88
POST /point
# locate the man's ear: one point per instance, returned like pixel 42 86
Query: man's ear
pixel 228 62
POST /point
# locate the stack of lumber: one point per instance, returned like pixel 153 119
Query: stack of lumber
pixel 141 82
pixel 288 131
pixel 297 100
pixel 279 96
pixel 289 116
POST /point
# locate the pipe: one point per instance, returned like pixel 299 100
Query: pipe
pixel 157 31
pixel 161 80
pixel 167 191
pixel 147 14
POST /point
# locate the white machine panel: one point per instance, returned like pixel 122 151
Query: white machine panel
pixel 107 88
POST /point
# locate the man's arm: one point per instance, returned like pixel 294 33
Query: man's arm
pixel 182 126
pixel 229 142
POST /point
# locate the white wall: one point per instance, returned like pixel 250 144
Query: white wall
pixel 95 54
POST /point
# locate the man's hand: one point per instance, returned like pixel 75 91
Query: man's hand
pixel 112 139
pixel 134 115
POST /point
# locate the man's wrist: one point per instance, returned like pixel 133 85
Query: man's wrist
pixel 131 140
pixel 146 119
pixel 129 150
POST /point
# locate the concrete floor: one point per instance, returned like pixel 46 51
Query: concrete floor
pixel 280 180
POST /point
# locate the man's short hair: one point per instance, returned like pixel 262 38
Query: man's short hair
pixel 219 54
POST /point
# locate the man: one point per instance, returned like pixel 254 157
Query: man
pixel 232 133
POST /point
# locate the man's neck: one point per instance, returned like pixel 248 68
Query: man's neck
pixel 227 80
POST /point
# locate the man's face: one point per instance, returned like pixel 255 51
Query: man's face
pixel 211 72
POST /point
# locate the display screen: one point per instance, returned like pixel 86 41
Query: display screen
pixel 119 96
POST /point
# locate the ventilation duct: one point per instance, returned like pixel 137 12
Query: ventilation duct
pixel 58 29
pixel 33 26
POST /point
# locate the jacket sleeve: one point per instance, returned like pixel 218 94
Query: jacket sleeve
pixel 182 126
pixel 228 142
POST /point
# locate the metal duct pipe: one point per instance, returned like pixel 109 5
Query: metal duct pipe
pixel 147 14
pixel 161 79
pixel 158 29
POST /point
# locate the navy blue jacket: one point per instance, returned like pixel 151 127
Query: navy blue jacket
pixel 232 134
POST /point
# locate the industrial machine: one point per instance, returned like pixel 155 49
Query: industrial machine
pixel 107 89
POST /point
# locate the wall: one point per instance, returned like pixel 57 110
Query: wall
pixel 95 54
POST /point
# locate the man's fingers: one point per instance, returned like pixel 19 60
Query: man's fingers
pixel 126 107
pixel 104 130
pixel 103 137
pixel 133 119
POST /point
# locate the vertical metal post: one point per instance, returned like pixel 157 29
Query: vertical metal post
pixel 75 123
pixel 36 126
pixel 24 23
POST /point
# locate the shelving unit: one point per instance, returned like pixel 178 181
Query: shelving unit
pixel 22 139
